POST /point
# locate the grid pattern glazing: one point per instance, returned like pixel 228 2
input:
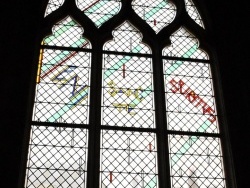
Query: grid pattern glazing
pixel 57 158
pixel 193 12
pixel 127 83
pixel 52 6
pixel 63 87
pixel 63 77
pixel 189 97
pixel 195 162
pixel 127 39
pixel 67 33
pixel 185 45
pixel 99 11
pixel 158 13
pixel 128 159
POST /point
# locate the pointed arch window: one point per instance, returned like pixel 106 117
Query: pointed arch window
pixel 126 96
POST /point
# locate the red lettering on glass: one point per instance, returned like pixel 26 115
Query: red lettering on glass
pixel 173 83
pixel 192 97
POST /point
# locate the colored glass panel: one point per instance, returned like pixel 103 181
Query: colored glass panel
pixel 158 14
pixel 57 158
pixel 189 97
pixel 52 6
pixel 67 33
pixel 193 12
pixel 128 159
pixel 188 85
pixel 195 162
pixel 63 78
pixel 127 86
pixel 99 11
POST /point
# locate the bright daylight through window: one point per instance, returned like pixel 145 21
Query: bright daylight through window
pixel 124 98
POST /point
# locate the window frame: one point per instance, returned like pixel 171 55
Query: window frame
pixel 97 37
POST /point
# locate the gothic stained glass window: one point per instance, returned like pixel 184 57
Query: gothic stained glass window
pixel 57 156
pixel 128 159
pixel 118 105
pixel 63 76
pixel 127 81
pixel 195 161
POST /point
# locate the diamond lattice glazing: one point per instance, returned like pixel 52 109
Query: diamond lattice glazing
pixel 57 158
pixel 185 45
pixel 62 87
pixel 189 97
pixel 52 6
pixel 195 162
pixel 158 13
pixel 67 33
pixel 99 11
pixel 128 159
pixel 127 86
pixel 193 12
pixel 127 91
pixel 127 39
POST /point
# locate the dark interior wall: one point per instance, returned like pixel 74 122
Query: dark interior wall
pixel 231 33
pixel 19 28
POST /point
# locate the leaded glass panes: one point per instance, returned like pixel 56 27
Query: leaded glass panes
pixel 53 5
pixel 158 14
pixel 189 96
pixel 123 136
pixel 127 39
pixel 188 86
pixel 63 78
pixel 127 82
pixel 195 162
pixel 185 45
pixel 67 33
pixel 128 159
pixel 57 158
pixel 193 12
pixel 99 11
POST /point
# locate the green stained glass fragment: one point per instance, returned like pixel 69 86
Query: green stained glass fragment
pixel 177 64
pixel 63 55
pixel 110 71
pixel 185 147
pixel 151 183
pixel 95 7
pixel 60 31
pixel 155 10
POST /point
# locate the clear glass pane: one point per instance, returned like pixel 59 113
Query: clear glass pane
pixel 99 11
pixel 185 45
pixel 127 82
pixel 189 96
pixel 57 158
pixel 52 6
pixel 128 159
pixel 158 13
pixel 193 12
pixel 196 162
